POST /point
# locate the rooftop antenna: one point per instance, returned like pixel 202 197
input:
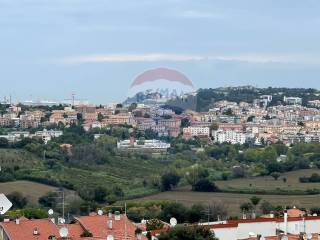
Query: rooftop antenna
pixel 73 98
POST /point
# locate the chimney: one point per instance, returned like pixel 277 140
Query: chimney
pixel 110 224
pixel 35 231
pixel 110 215
pixel 132 140
pixel 17 221
pixel 117 216
pixel 285 218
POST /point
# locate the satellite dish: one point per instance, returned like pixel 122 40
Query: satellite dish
pixel 62 220
pixel 110 237
pixel 50 211
pixel 63 232
pixel 309 236
pixel 100 212
pixel 252 234
pixel 173 222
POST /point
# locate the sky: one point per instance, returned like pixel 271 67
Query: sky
pixel 50 49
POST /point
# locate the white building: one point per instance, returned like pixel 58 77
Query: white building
pixel 196 131
pixel 16 136
pixel 143 144
pixel 266 227
pixel 233 137
pixel 292 100
pixel 47 135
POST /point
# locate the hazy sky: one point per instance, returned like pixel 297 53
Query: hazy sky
pixel 50 48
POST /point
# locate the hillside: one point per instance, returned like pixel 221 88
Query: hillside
pixel 205 98
pixel 126 173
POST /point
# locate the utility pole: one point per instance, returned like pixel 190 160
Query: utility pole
pixel 125 222
pixel 63 204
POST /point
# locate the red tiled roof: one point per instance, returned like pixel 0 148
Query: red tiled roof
pixel 98 226
pixel 224 225
pixel 24 230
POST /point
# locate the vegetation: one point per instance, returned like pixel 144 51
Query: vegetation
pixel 206 97
pixel 188 233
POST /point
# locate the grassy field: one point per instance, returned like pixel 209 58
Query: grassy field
pixel 18 157
pixel 232 200
pixel 128 173
pixel 267 183
pixel 32 190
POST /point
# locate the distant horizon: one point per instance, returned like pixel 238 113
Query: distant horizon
pixel 64 100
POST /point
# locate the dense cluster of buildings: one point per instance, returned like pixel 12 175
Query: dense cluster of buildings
pixel 237 123
pixel 257 122
pixel 294 224
pixel 93 227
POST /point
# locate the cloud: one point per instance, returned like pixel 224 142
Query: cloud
pixel 152 57
pixel 157 57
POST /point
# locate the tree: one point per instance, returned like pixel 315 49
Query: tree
pixel 100 194
pixel 204 185
pixel 246 207
pixel 255 202
pixel 100 117
pixel 266 207
pixel 238 172
pixel 18 200
pixel 185 122
pixel 4 143
pixel 275 175
pixel 154 224
pixel 194 214
pixel 49 200
pixel 176 210
pixel 169 180
pixel 188 233
pixel 217 211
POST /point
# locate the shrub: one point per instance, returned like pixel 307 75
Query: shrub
pixel 204 185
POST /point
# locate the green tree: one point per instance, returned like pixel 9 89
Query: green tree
pixel 266 207
pixel 188 233
pixel 275 175
pixel 4 143
pixel 49 200
pixel 169 180
pixel 18 200
pixel 255 202
pixel 100 195
pixel 204 185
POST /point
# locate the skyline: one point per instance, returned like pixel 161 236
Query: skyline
pixel 53 48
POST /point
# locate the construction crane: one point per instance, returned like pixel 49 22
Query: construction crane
pixel 73 99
